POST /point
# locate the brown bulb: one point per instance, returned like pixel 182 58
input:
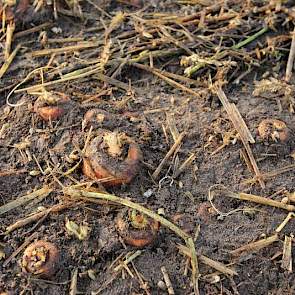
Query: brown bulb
pixel 50 112
pixel 41 258
pixel 104 159
pixel 136 229
pixel 51 106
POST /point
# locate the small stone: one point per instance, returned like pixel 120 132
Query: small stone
pixel 34 172
pixel 220 217
pixel 148 193
pixel 161 285
pixel 56 30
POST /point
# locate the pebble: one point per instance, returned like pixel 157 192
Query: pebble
pixel 161 285
pixel 148 193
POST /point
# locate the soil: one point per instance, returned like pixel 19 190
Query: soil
pixel 142 115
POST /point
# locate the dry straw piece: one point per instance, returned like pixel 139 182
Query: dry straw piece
pixel 220 189
pixel 255 246
pixel 40 193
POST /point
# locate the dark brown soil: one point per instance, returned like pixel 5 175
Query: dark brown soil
pixel 205 121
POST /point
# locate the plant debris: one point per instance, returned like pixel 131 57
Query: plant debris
pixel 81 232
pixel 114 110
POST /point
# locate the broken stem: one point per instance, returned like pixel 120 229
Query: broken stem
pixel 290 59
pixel 256 246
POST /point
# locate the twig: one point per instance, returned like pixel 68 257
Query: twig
pixel 36 216
pixel 170 75
pixel 43 52
pixel 28 77
pixel 43 192
pixel 265 201
pixel 287 254
pixel 58 81
pixel 172 126
pixel 141 279
pixel 167 281
pixel 99 8
pixel 168 80
pixel 271 174
pixel 250 38
pixel 116 83
pixel 187 162
pixel 12 172
pixel 217 265
pixel 256 246
pixel 128 260
pixel 32 30
pixel 9 33
pixel 9 60
pixel 290 59
pixel 285 221
pixel 168 155
pixel 241 128
pixel 74 281
pixel 20 248
pixel 247 197
pixel 210 262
